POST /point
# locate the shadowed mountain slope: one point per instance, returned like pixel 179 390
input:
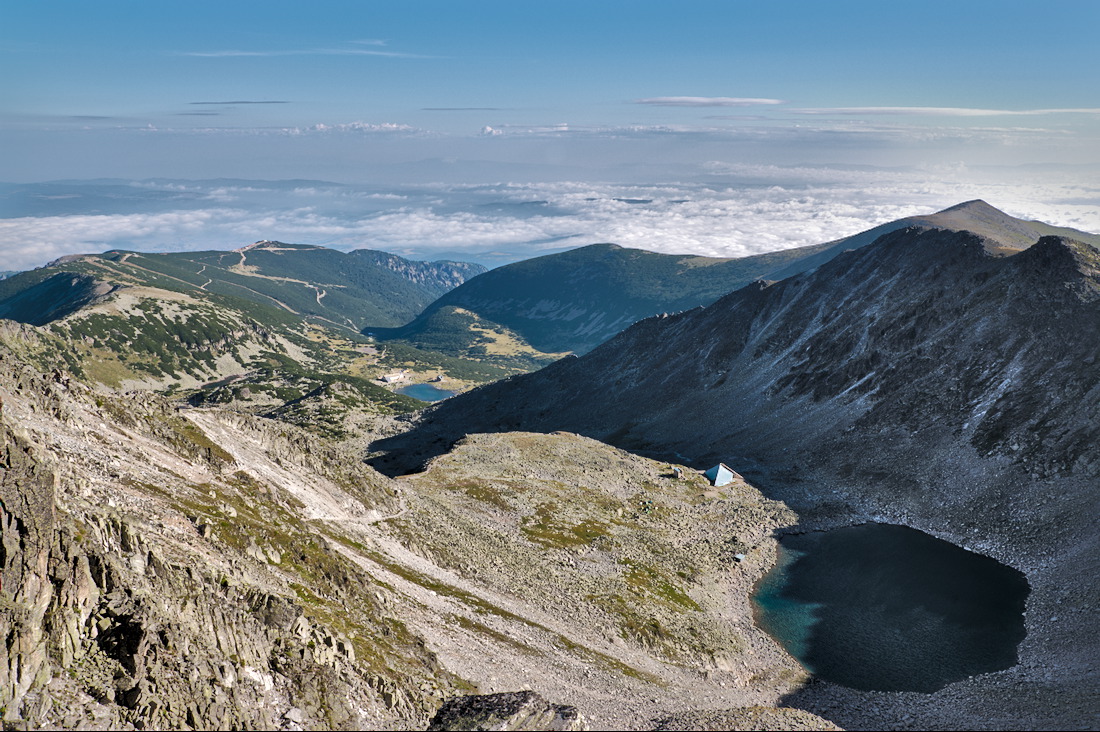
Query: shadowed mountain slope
pixel 923 330
pixel 53 297
pixel 923 379
pixel 575 300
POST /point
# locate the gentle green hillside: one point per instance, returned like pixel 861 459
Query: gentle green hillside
pixel 465 334
pixel 312 281
pixel 354 291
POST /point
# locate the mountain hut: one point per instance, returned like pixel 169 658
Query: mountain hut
pixel 721 474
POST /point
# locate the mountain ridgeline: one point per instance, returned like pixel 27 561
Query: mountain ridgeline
pixel 351 290
pixel 575 300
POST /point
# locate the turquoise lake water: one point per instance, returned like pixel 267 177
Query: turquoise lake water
pixel 425 392
pixel 890 608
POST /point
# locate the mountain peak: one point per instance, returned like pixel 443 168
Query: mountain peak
pixel 975 205
pixel 1007 235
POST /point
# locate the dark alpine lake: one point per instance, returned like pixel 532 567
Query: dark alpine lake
pixel 425 392
pixel 889 608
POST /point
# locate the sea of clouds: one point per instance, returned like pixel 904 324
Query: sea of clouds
pixel 722 209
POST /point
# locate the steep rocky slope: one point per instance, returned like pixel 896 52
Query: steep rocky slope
pixel 924 379
pixel 174 568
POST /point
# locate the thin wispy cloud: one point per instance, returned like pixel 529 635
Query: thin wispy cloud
pixel 940 111
pixel 707 101
pixel 359 127
pixel 266 53
pixel 316 129
pixel 245 101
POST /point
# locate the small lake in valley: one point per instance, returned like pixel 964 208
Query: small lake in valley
pixel 425 392
pixel 890 608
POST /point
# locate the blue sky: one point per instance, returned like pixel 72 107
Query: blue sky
pixel 459 93
pixel 385 82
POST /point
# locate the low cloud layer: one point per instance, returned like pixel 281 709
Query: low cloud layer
pixel 729 210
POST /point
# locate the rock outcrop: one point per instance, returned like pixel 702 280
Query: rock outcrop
pixel 135 597
pixel 515 710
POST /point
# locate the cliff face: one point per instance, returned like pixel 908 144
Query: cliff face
pixel 922 379
pixel 436 278
pixel 140 589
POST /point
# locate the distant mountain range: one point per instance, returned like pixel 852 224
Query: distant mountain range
pixel 573 301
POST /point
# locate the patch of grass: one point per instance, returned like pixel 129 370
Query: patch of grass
pixel 635 625
pixel 482 629
pixel 485 493
pixel 547 530
pixel 654 583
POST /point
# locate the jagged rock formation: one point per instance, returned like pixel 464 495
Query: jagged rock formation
pixel 436 277
pixel 924 379
pixel 517 710
pixel 134 595
pixel 172 568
